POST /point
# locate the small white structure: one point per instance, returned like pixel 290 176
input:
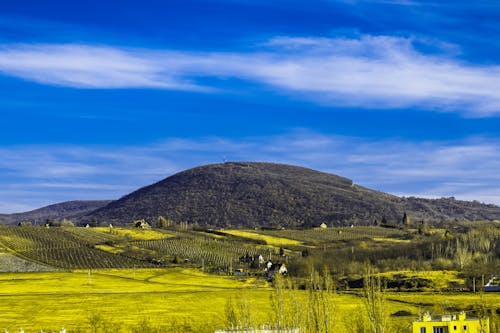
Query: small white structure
pixel 493 284
pixel 323 225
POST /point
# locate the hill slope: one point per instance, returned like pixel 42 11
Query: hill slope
pixel 267 194
pixel 68 210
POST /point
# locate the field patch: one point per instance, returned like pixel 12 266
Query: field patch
pixel 136 234
pixel 391 240
pixel 109 248
pixel 320 236
pixel 270 240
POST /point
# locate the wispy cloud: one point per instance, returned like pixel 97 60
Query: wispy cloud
pixel 86 66
pixel 466 169
pixel 368 71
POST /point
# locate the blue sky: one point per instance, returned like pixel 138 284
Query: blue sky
pixel 99 98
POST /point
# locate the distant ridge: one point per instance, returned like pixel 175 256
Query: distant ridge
pixel 253 194
pixel 68 210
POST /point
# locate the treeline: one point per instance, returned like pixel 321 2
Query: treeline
pixel 314 310
pixel 473 250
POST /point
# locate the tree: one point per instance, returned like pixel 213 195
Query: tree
pixel 321 306
pixel 67 223
pixel 162 222
pixel 462 254
pixel 375 302
pixel 406 220
pixel 238 314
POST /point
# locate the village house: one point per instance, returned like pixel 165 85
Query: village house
pixel 141 224
pixel 270 269
pixel 451 324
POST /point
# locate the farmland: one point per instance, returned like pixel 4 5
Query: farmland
pixel 181 280
pixel 76 248
pixel 126 297
pixel 177 297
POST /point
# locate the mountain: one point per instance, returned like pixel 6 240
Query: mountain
pixel 69 210
pixel 267 194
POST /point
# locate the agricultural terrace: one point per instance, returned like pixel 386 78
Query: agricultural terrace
pixel 68 248
pixel 77 248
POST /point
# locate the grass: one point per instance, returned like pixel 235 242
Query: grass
pixel 270 240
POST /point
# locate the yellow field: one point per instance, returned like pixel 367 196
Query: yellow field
pixel 270 240
pixel 109 248
pixel 136 234
pixel 126 297
pixel 391 240
pixel 163 297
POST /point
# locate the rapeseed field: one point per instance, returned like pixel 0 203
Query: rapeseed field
pixel 175 299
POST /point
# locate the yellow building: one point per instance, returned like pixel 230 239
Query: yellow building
pixel 451 324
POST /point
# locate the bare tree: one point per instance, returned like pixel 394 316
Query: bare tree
pixel 375 302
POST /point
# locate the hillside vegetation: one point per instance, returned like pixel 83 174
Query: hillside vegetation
pixel 275 195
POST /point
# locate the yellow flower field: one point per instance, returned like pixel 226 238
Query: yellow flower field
pixel 270 240
pixel 126 297
pixel 187 298
pixel 136 234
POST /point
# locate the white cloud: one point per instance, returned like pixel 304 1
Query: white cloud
pixel 87 66
pixel 368 71
pixel 465 169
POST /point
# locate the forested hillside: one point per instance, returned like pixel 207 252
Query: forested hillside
pixel 276 195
